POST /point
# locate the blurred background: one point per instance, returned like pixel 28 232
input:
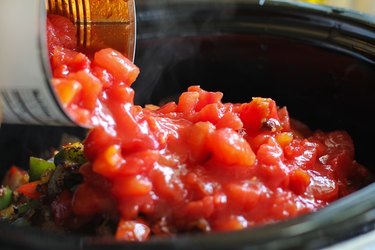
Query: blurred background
pixel 366 6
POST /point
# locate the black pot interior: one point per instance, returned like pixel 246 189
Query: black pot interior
pixel 294 55
pixel 317 61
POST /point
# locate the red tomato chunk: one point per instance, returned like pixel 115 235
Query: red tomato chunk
pixel 195 164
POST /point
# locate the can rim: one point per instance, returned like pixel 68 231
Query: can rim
pixel 45 63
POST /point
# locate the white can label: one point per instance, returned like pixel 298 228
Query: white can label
pixel 29 106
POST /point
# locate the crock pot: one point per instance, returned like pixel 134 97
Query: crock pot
pixel 316 60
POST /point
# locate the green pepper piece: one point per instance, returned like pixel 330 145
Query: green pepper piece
pixel 68 162
pixel 70 156
pixel 38 167
pixel 23 208
pixel 5 197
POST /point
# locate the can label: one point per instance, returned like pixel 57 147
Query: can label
pixel 29 106
pixel 25 92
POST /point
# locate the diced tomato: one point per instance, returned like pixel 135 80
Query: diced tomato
pixel 284 138
pixel 323 188
pixel 255 113
pixel 259 140
pixel 96 140
pixel 65 31
pixel 135 135
pixel 131 186
pixel 132 231
pixel 103 75
pixel 88 201
pixel 230 120
pixel 15 177
pixel 168 108
pixel 67 90
pixel 118 65
pixel 139 162
pixel 342 152
pixel 30 190
pixel 52 39
pixel 298 181
pixel 65 61
pixel 302 153
pixel 284 118
pixel 230 148
pixel 196 137
pixel 230 223
pixel 120 94
pixel 243 195
pixel 95 180
pixel 91 88
pixel 109 162
pixel 187 102
pixel 270 164
pixel 130 207
pixel 205 97
pixel 167 185
pixel 198 186
pixel 79 115
pixel 284 206
pixel 194 210
pixel 210 113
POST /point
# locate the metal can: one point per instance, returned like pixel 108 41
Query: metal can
pixel 25 91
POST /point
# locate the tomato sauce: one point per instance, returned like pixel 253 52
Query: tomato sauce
pixel 197 164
